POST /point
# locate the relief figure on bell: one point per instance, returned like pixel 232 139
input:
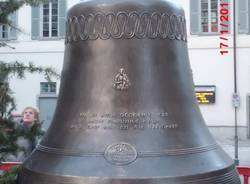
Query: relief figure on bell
pixel 121 81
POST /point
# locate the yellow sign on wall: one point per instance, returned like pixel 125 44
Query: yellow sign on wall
pixel 205 94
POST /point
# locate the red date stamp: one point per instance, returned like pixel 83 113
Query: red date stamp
pixel 224 27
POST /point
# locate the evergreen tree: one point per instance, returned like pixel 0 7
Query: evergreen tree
pixel 10 6
pixel 9 132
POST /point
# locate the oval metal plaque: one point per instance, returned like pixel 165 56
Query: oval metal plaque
pixel 120 154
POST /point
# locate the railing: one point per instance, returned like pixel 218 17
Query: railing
pixel 4 166
pixel 245 172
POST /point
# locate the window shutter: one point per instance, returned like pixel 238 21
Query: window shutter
pixel 194 16
pixel 62 15
pixel 12 30
pixel 243 16
pixel 35 22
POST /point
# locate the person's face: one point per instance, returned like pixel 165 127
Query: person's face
pixel 29 116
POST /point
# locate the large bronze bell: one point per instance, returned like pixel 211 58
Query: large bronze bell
pixel 126 112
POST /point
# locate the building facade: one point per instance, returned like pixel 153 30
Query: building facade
pixel 210 43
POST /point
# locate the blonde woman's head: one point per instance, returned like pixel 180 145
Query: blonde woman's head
pixel 30 115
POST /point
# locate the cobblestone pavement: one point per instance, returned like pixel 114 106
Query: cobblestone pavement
pixel 243 150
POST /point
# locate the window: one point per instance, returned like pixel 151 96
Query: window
pixel 204 16
pixel 6 32
pixel 48 20
pixel 48 87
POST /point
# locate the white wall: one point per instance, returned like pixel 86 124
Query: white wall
pixel 209 68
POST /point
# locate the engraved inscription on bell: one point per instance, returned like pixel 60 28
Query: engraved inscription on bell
pixel 121 81
pixel 124 121
pixel 120 154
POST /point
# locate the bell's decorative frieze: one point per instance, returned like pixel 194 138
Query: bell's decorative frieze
pixel 125 25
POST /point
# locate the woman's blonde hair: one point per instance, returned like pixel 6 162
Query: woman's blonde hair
pixel 36 113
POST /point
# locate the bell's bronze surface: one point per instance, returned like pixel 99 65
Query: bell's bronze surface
pixel 127 112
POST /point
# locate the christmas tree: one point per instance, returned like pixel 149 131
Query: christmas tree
pixel 9 131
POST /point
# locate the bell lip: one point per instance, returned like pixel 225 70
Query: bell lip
pixel 223 174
